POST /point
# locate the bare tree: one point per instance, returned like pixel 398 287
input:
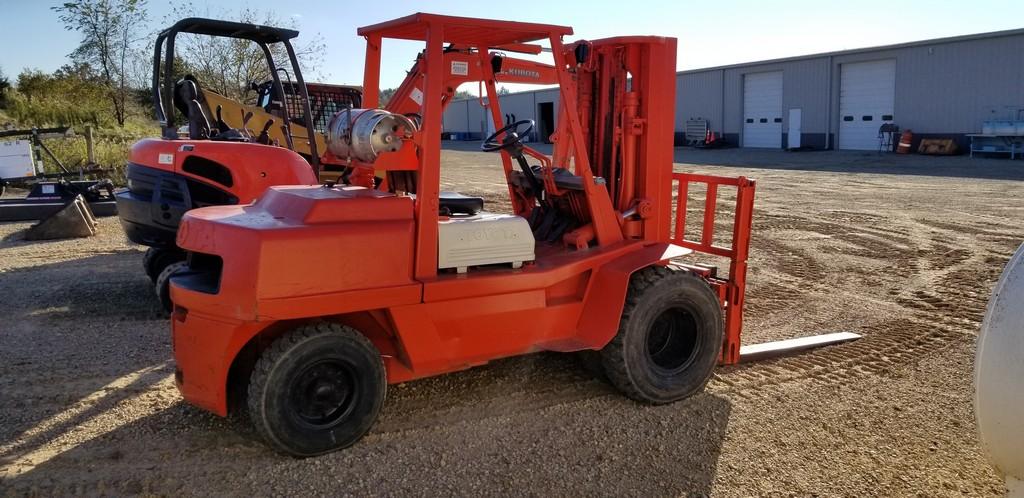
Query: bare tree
pixel 111 30
pixel 227 65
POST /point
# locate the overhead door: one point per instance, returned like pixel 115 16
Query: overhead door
pixel 867 98
pixel 762 110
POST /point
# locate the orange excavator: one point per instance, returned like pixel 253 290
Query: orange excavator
pixel 397 280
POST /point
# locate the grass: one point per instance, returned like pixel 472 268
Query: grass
pixel 111 146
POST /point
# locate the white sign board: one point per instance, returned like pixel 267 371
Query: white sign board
pixel 16 159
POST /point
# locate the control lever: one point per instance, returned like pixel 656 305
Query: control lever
pixel 246 116
pixel 264 137
pixel 222 127
pixel 516 151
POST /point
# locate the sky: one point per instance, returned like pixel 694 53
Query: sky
pixel 709 33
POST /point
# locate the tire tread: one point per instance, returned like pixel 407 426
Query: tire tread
pixel 613 357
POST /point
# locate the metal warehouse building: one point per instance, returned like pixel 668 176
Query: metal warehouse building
pixel 938 88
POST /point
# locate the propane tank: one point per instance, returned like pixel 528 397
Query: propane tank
pixel 998 370
pixel 363 134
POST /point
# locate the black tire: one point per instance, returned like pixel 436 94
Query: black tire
pixel 317 389
pixel 163 284
pixel 669 338
pixel 157 259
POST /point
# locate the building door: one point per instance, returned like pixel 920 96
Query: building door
pixel 545 121
pixel 795 128
pixel 762 110
pixel 867 99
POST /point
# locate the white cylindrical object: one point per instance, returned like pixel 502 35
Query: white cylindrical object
pixel 999 373
pixel 364 134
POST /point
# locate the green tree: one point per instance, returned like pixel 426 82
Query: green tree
pixel 33 83
pixel 5 86
pixel 111 31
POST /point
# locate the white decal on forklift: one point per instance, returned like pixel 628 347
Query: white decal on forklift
pixel 460 68
pixel 525 73
pixel 165 159
pixel 416 95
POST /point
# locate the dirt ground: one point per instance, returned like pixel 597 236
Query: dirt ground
pixel 902 250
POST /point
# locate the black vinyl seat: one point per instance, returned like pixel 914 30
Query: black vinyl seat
pixel 456 203
pixel 564 179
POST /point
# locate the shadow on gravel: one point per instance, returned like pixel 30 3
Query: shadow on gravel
pixel 529 425
pixel 43 438
pixel 104 285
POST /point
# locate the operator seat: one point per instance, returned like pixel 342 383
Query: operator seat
pixel 564 179
pixel 456 203
pixel 189 100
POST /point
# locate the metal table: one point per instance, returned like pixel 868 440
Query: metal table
pixel 997 144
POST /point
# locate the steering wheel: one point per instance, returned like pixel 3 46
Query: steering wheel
pixel 512 136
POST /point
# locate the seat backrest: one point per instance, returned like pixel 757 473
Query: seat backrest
pixel 198 124
pixel 188 99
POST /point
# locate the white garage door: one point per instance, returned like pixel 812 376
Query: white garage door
pixel 762 110
pixel 867 98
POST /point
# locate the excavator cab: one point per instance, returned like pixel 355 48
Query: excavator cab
pixel 209 114
pixel 214 150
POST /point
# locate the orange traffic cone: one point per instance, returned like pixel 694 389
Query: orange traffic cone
pixel 905 140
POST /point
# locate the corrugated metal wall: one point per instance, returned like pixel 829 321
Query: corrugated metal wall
pixel 699 96
pixel 467 116
pixel 953 87
pixel 942 87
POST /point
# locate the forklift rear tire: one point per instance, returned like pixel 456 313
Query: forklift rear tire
pixel 317 389
pixel 163 284
pixel 157 259
pixel 669 338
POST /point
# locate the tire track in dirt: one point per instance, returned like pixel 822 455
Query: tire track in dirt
pixel 881 348
pixel 884 347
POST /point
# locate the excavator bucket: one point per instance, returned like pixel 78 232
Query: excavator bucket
pixel 75 219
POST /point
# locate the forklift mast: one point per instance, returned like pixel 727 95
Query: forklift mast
pixel 609 132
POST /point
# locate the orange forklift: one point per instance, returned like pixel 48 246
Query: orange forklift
pixel 304 305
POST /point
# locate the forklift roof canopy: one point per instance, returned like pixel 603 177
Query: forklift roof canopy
pixel 464 30
pixel 216 27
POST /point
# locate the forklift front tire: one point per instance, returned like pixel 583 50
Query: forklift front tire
pixel 669 338
pixel 316 389
pixel 157 259
pixel 163 284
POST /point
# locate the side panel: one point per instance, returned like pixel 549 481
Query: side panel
pixel 606 296
pixel 458 334
pixel 570 314
pixel 204 348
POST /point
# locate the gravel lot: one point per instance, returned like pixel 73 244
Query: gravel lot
pixel 903 250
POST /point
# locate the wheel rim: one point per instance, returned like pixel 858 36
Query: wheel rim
pixel 673 341
pixel 323 394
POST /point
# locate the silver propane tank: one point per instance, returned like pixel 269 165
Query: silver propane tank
pixel 363 134
pixel 998 372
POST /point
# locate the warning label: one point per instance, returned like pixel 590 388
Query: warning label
pixel 460 68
